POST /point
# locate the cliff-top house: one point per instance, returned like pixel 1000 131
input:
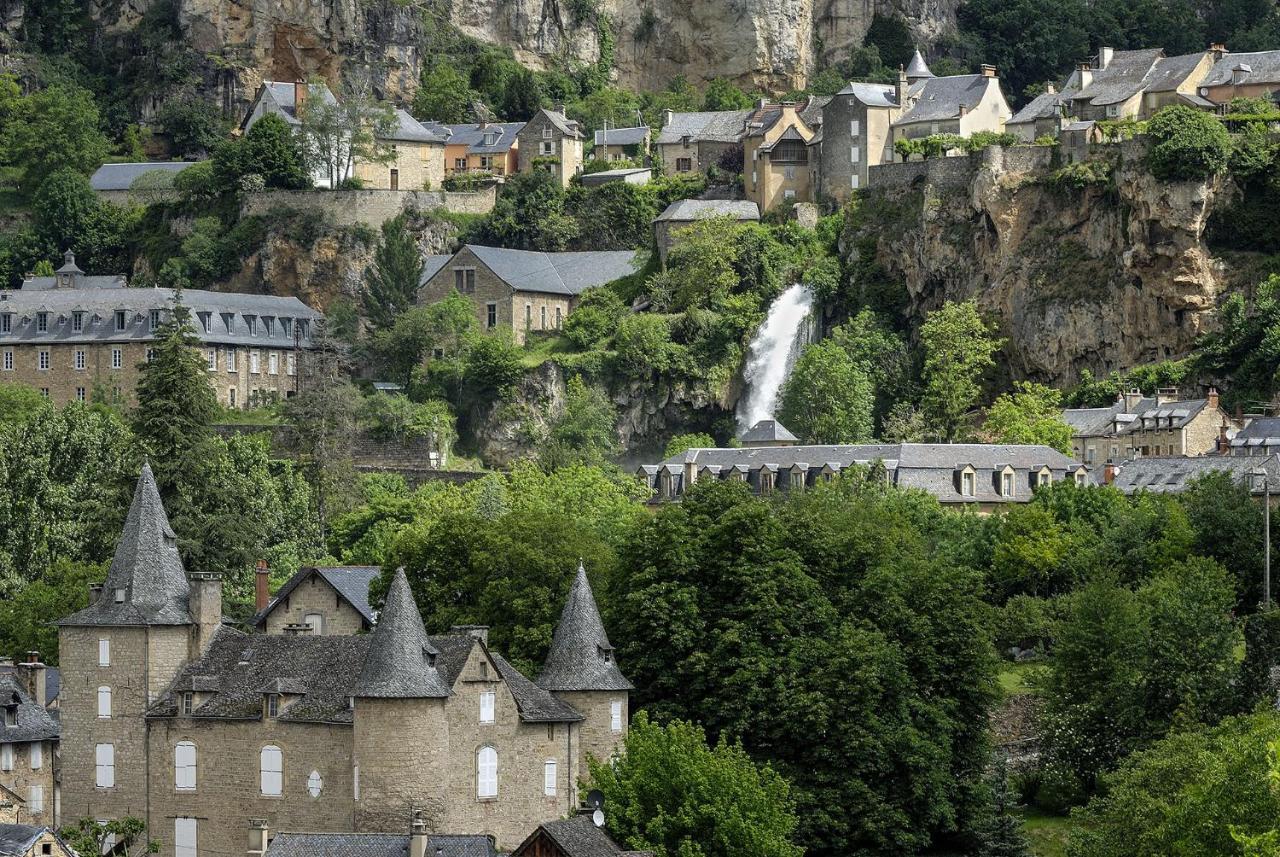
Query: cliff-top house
pixel 490 147
pixel 552 142
pixel 1138 426
pixel 205 732
pixel 775 156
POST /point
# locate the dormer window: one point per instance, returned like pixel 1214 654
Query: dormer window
pixel 273 705
pixel 286 326
pixel 606 654
pixel 546 133
pixel 228 320
pixel 1006 483
pixel 269 325
pixel 42 322
pixel 968 482
pixel 188 702
pixel 1044 477
pixel 6 322
pixel 121 321
pixel 252 322
pixel 431 658
pixel 119 596
pixel 77 321
pixel 153 319
pixel 11 715
pixel 204 320
pixel 766 481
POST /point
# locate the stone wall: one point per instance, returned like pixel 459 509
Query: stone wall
pixel 369 207
pixel 316 595
pixel 23 777
pixel 952 172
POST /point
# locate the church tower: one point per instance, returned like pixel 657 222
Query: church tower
pixel 581 670
pixel 117 656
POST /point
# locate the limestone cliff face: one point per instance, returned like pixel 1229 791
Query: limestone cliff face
pixel 1107 276
pixel 770 43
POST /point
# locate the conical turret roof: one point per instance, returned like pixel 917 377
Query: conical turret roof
pixel 581 657
pixel 146 584
pixel 918 68
pixel 401 660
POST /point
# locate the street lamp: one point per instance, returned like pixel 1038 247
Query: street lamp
pixel 1261 482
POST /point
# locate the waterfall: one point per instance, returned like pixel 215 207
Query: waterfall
pixel 773 351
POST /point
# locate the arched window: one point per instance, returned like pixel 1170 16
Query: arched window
pixel 315 784
pixel 104 703
pixel 271 769
pixel 184 766
pixel 486 773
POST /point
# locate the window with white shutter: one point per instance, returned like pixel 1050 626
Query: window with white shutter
pixel 486 706
pixel 184 837
pixel 184 766
pixel 549 778
pixel 486 773
pixel 615 715
pixel 35 799
pixel 272 770
pixel 6 757
pixel 36 752
pixel 104 703
pixel 105 766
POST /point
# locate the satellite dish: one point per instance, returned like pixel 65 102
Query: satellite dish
pixel 595 799
pixel 597 818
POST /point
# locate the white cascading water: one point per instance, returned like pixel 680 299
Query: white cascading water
pixel 773 351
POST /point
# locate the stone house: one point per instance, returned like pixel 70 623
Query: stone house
pixel 417 843
pixel 1259 437
pixel 1136 84
pixel 1041 116
pixel 522 290
pixel 1244 75
pixel 984 477
pixel 491 147
pixel 331 600
pixel 576 836
pixel 617 144
pixel 775 156
pixel 25 840
pixel 12 806
pixel 694 142
pixel 684 212
pixel 962 104
pixel 288 100
pixel 1175 475
pixel 115 182
pixel 856 135
pixel 28 745
pixel 1139 426
pixel 71 334
pixel 208 728
pixel 550 141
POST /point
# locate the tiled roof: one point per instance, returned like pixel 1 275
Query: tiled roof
pixel 376 845
pixel 279 96
pixel 1123 77
pixel 872 94
pixel 17 839
pixel 918 68
pixel 401 663
pixel 696 209
pixel 1173 475
pixel 1046 105
pixel 351 582
pixel 719 126
pixel 811 112
pixel 622 136
pixel 576 837
pixel 52 680
pixel 412 131
pixel 122 176
pixel 767 431
pixel 567 273
pixel 146 584
pixel 431 266
pixel 940 98
pixel 1268 427
pixel 565 125
pixel 34 722
pixel 581 657
pixel 535 704
pixel 1169 73
pixel 1262 67
pixel 472 136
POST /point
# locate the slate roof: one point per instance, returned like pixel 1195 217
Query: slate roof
pixel 717 126
pixel 16 839
pixel 622 136
pixel 351 582
pixel 1264 67
pixel 1123 77
pixel 146 569
pixel 581 657
pixel 940 98
pixel 412 131
pixel 100 297
pixel 1046 105
pixel 1169 73
pixel 534 703
pixel 52 680
pixel 375 845
pixel 563 124
pixel 918 68
pixel 279 97
pixel 401 663
pixel 576 837
pixel 1260 427
pixel 34 722
pixel 431 266
pixel 1100 422
pixel 696 209
pixel 568 273
pixel 872 94
pixel 122 176
pixel 766 431
pixel 811 112
pixel 1173 475
pixel 472 136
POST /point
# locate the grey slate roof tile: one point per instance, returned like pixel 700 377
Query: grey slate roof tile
pixel 1046 105
pixel 940 98
pixel 16 839
pixel 473 136
pixel 578 837
pixel 412 131
pixel 1123 77
pixel 1173 475
pixel 375 845
pixel 401 660
pixel 351 582
pixel 34 722
pixel 568 273
pixel 766 431
pixel 1263 67
pixel 696 209
pixel 1169 73
pixel 1261 427
pixel 717 126
pixel 146 569
pixel 622 136
pixel 535 704
pixel 872 94
pixel 122 176
pixel 581 657
pixel 918 67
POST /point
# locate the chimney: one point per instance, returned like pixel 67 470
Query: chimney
pixel 1131 399
pixel 32 673
pixel 205 604
pixel 1224 442
pixel 1104 56
pixel 762 103
pixel 988 71
pixel 1213 398
pixel 1109 472
pixel 1050 88
pixel 258 839
pixel 904 87
pixel 95 592
pixel 690 474
pixel 558 107
pixel 1166 396
pixel 261 586
pixel 1086 74
pixel 300 93
pixel 418 836
pixel 1239 73
pixel 1217 49
pixel 667 117
pixel 480 632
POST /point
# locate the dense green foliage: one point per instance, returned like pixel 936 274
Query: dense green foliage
pixel 958 349
pixel 392 279
pixel 1187 144
pixel 1032 414
pixel 828 397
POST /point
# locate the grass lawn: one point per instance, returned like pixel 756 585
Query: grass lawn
pixel 540 348
pixel 1048 833
pixel 1015 678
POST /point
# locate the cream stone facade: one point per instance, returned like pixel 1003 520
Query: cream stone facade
pixel 775 157
pixel 1139 426
pixel 414 166
pixel 550 141
pixel 28 746
pixel 210 733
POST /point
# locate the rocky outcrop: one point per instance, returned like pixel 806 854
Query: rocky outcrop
pixel 1101 273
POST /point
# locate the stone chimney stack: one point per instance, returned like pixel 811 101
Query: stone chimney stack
pixel 1217 49
pixel 1224 442
pixel 903 87
pixel 1086 74
pixel 32 673
pixel 205 604
pixel 261 586
pixel 1166 396
pixel 1131 399
pixel 1109 472
pixel 418 836
pixel 1213 398
pixel 300 93
pixel 257 837
pixel 989 71
pixel 1105 56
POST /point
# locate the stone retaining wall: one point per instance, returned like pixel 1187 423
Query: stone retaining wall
pixel 369 207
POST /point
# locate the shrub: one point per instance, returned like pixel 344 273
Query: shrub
pixel 595 318
pixel 643 342
pixel 1080 175
pixel 1187 144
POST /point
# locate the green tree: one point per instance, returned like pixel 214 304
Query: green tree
pixel 493 364
pixel 672 794
pixel 336 135
pixel 530 215
pixel 1031 414
pixel 27 616
pixel 522 96
pixel 444 95
pixel 723 94
pixel 1227 526
pixel 271 150
pixel 682 442
pixel 392 279
pixel 595 319
pixel 828 397
pixel 643 345
pixel 958 349
pixel 19 403
pixel 584 433
pixel 612 216
pixel 1187 144
pixel 89 836
pixel 55 128
pixel 194 125
pixel 1003 836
